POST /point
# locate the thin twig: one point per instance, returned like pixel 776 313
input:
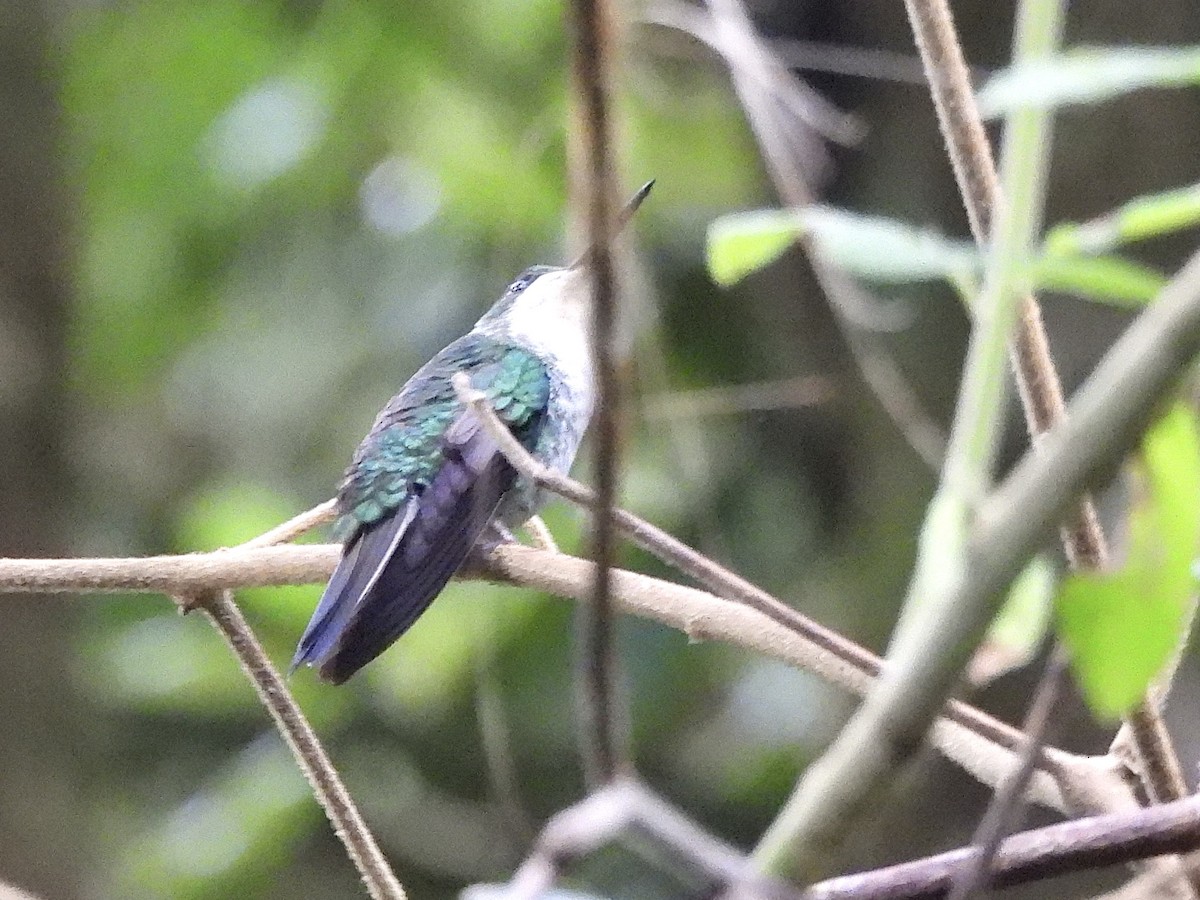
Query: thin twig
pixel 704 570
pixel 750 63
pixel 321 514
pixel 970 738
pixel 735 399
pixel 859 62
pixel 801 101
pixel 290 721
pixel 310 756
pixel 1074 846
pixel 1008 800
pixel 592 48
pixel 1037 378
pixel 625 807
pixel 1163 771
pixel 540 534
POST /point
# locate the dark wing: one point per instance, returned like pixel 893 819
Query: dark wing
pixel 396 564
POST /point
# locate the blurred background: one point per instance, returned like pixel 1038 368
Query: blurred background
pixel 230 230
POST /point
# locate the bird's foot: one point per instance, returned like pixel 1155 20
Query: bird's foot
pixel 540 534
pixel 495 535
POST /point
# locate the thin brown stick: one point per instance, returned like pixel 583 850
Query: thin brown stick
pixel 1008 801
pixel 310 756
pixel 1074 846
pixel 704 570
pixel 1037 377
pixel 321 514
pixel 1163 772
pixel 593 32
pixel 290 721
pixel 966 738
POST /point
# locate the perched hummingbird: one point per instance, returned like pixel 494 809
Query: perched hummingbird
pixel 428 481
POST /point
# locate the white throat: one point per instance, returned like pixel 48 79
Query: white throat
pixel 551 318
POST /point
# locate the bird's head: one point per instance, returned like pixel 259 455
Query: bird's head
pixel 546 299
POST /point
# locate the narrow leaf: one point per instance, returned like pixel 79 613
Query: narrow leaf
pixel 745 242
pixel 1140 218
pixel 1089 75
pixel 879 249
pixel 1018 631
pixel 1109 279
pixel 888 251
pixel 1121 627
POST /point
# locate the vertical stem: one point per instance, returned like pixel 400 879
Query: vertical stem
pixel 939 631
pixel 594 28
pixel 1040 388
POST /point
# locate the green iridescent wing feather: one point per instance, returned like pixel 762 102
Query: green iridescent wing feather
pixel 404 448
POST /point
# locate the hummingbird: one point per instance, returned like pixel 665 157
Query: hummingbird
pixel 428 483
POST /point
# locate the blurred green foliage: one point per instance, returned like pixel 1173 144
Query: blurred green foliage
pixel 1122 626
pixel 283 208
pixel 886 251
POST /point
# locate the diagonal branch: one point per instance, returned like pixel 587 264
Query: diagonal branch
pixel 1108 415
pixel 704 570
pixel 1037 378
pixel 327 787
pixel 310 756
pixel 1074 846
pixel 1007 803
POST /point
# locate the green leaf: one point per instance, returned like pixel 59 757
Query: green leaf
pixel 746 242
pixel 1121 627
pixel 1140 218
pixel 1089 75
pixel 871 247
pixel 889 251
pixel 1018 630
pixel 1109 279
pixel 886 250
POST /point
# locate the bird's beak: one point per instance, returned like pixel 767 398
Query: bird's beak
pixel 623 218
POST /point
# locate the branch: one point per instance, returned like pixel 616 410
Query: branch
pixel 1109 414
pixel 290 722
pixel 311 757
pixel 1074 846
pixel 704 570
pixel 626 808
pixel 592 48
pixel 982 751
pixel 1037 378
pixel 1007 802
